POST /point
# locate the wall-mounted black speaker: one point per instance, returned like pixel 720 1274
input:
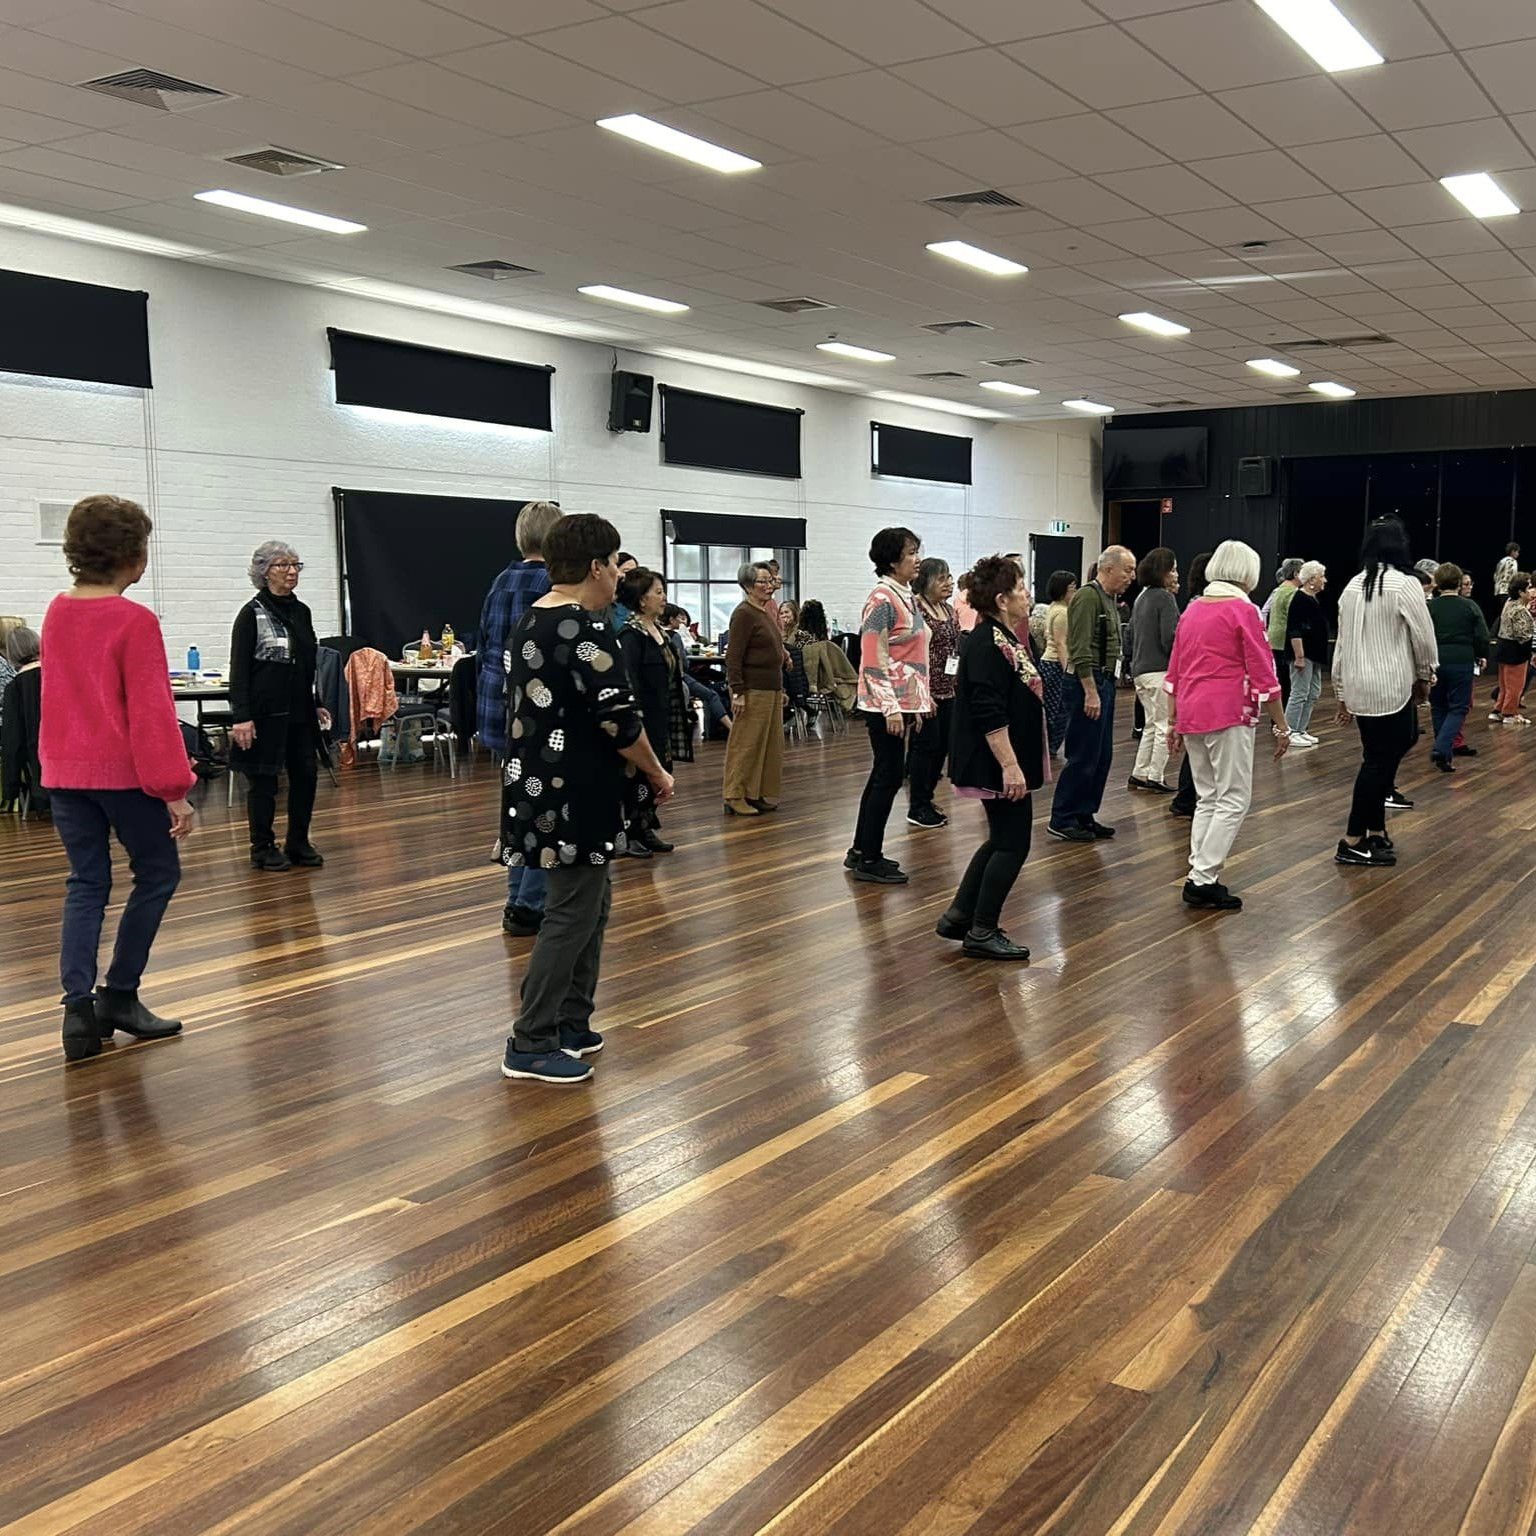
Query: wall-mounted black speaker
pixel 1255 477
pixel 629 408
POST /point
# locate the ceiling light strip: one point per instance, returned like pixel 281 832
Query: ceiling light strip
pixel 241 203
pixel 672 141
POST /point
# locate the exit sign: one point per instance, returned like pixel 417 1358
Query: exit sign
pixel 1059 527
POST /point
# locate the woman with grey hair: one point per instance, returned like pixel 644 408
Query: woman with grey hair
pixel 1306 639
pixel 932 587
pixel 272 698
pixel 754 664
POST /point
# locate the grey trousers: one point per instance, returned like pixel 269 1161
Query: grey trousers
pixel 561 985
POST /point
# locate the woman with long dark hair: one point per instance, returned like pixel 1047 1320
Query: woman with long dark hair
pixel 933 588
pixel 1154 617
pixel 1383 665
pixel 1059 591
pixel 1185 799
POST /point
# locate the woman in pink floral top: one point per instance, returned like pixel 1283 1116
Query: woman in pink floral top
pixel 1221 673
pixel 934 587
pixel 893 695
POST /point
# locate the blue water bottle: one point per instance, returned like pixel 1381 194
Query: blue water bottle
pixel 194 661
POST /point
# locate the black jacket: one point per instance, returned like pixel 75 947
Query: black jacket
pixel 657 685
pixel 990 695
pixel 273 693
pixel 19 728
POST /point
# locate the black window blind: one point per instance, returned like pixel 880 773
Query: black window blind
pixel 724 528
pixel 64 330
pixel 717 432
pixel 919 455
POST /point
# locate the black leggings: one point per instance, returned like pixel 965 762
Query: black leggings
pixel 261 802
pixel 885 772
pixel 996 864
pixel 926 753
pixel 1384 740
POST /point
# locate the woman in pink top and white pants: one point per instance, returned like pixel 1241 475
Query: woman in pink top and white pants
pixel 1221 671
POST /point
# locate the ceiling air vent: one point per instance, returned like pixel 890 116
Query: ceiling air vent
pixel 51 517
pixel 1011 362
pixel 1328 345
pixel 1162 405
pixel 149 88
pixel 942 374
pixel 988 198
pixel 493 271
pixel 275 161
pixel 950 327
pixel 793 306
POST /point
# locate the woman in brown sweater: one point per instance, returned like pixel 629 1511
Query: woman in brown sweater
pixel 754 665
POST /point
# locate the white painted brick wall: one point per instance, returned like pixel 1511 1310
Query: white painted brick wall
pixel 248 442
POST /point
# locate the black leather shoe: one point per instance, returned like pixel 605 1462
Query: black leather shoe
pixel 851 859
pixel 81 1033
pixel 521 922
pixel 1215 897
pixel 1182 813
pixel 270 857
pixel 1069 834
pixel 637 849
pixel 654 841
pixel 1444 764
pixel 1463 751
pixel 880 872
pixel 124 1011
pixel 993 946
pixel 953 925
pixel 1098 830
pixel 307 857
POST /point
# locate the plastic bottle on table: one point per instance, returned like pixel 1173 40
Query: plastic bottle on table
pixel 194 659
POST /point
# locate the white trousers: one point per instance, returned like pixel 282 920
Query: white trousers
pixel 1221 764
pixel 1152 750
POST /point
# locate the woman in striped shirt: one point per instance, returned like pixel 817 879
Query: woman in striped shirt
pixel 1383 663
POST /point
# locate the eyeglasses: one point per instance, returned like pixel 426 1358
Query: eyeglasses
pixel 287 565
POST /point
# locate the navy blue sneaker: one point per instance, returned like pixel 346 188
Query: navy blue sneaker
pixel 553 1067
pixel 580 1042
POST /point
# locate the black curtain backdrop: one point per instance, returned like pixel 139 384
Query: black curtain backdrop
pixel 917 455
pixel 1052 553
pixel 64 330
pixel 410 562
pixel 717 432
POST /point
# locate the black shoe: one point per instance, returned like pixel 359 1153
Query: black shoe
pixel 953 925
pixel 851 858
pixel 1069 834
pixel 521 922
pixel 81 1033
pixel 1398 801
pixel 270 857
pixel 1381 842
pixel 1444 764
pixel 653 840
pixel 637 850
pixel 764 807
pixel 1216 897
pixel 1365 856
pixel 307 857
pixel 124 1011
pixel 926 816
pixel 880 872
pixel 1098 830
pixel 995 945
pixel 1463 751
pixel 1182 812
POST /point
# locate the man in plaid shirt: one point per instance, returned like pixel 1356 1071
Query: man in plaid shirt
pixel 519 586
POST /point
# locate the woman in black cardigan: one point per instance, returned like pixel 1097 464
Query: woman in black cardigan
pixel 272 697
pixel 997 752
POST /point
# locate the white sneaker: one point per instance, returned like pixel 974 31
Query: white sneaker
pixel 1496 716
pixel 1301 742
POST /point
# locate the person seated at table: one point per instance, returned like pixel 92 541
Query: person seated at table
pixel 655 678
pixel 828 671
pixel 8 623
pixel 20 712
pixel 677 625
pixel 272 699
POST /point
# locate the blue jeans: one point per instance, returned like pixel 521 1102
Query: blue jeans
pixel 1449 701
pixel 85 820
pixel 1090 749
pixel 1306 688
pixel 526 887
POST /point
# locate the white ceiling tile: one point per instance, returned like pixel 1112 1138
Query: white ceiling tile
pixel 1089 143
pixel 1189 127
pixel 1455 237
pixel 1418 93
pixel 991 86
pixel 25 13
pixel 1103 67
pixel 750 37
pixel 1006 21
pixel 63 57
pixel 887 106
pixel 1398 29
pixel 434 89
pixel 1470 22
pixel 1360 246
pixel 136 186
pixel 414 27
pixel 1350 164
pixel 1506 292
pixel 549 79
pixel 784 119
pixel 1148 237
pixel 1229 226
pixel 389 119
pixel 1166 189
pixel 992 157
pixel 1506 72
pixel 1311 216
pixel 1489 144
pixel 903 30
pixel 521 18
pixel 44 190
pixel 1077 201
pixel 1424 202
pixel 1261 177
pixel 625 50
pixel 1306 111
pixel 33 128
pixel 1484 266
pixel 1224 47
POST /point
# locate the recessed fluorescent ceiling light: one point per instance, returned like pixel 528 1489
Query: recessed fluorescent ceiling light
pixel 1092 407
pixel 1480 195
pixel 1333 391
pixel 859 354
pixel 1003 387
pixel 670 141
pixel 974 256
pixel 1273 366
pixel 634 300
pixel 929 403
pixel 1156 324
pixel 243 204
pixel 1320 28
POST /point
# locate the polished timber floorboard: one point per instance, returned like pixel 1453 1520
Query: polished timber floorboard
pixel 1197 1224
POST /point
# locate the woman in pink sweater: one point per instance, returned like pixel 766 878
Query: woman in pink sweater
pixel 1220 675
pixel 114 762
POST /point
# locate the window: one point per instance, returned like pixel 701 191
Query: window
pixel 702 579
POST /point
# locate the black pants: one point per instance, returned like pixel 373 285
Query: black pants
pixel 1384 740
pixel 1185 801
pixel 1283 672
pixel 926 755
pixel 880 788
pixel 560 987
pixel 996 864
pixel 261 802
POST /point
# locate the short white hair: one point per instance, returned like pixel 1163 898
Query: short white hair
pixel 1310 569
pixel 265 554
pixel 1236 562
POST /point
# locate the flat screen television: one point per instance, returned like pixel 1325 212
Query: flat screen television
pixel 1155 458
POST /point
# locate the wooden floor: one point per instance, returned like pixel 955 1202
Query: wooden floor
pixel 1197 1224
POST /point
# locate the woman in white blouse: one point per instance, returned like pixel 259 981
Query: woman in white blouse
pixel 1383 664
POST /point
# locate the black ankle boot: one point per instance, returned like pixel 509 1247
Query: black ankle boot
pixel 124 1011
pixel 82 1035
